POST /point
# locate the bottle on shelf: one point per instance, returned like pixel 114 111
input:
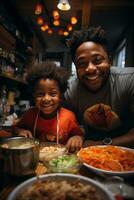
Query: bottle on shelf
pixel 4 109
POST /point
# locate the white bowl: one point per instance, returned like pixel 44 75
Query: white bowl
pixel 104 193
pixel 99 171
pixel 109 173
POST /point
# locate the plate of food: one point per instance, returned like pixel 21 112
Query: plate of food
pixel 49 150
pixel 108 160
pixel 60 186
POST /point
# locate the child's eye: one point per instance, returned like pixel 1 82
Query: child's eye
pixel 39 94
pixel 53 94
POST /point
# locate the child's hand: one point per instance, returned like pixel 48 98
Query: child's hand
pixel 25 133
pixel 74 143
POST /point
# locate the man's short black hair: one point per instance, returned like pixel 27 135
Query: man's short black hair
pixel 93 34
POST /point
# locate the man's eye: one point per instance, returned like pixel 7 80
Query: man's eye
pixel 98 60
pixel 82 65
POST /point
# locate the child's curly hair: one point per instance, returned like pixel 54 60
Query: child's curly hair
pixel 50 70
pixel 93 34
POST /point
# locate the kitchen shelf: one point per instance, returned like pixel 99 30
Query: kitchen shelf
pixel 13 79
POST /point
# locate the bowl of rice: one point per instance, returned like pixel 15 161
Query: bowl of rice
pixel 49 151
pixel 57 186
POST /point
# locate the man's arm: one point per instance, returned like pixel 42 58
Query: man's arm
pixel 126 140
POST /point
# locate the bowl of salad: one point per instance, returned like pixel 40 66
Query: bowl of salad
pixel 64 164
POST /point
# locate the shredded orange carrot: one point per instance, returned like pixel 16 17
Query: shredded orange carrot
pixel 111 158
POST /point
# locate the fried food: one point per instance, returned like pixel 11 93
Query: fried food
pixel 111 158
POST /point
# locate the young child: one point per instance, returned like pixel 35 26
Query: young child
pixel 48 120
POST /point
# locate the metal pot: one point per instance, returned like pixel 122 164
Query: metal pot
pixel 21 155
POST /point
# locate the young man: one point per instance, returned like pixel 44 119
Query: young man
pixel 102 96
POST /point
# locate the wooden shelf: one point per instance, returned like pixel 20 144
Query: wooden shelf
pixel 6 39
pixel 13 79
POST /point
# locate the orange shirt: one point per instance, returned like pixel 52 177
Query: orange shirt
pixel 46 130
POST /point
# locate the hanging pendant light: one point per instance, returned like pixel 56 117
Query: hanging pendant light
pixel 47 22
pixel 63 5
pixel 56 22
pixel 65 33
pixel 44 27
pixel 40 20
pixel 49 31
pixel 69 27
pixel 73 20
pixel 38 9
pixel 55 14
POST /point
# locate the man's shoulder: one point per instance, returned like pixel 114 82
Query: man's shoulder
pixel 122 77
pixel 122 71
pixel 75 86
pixel 74 82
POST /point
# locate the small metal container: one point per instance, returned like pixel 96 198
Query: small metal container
pixel 21 155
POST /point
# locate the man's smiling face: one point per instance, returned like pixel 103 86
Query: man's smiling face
pixel 92 65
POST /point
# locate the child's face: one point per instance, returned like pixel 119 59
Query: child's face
pixel 47 96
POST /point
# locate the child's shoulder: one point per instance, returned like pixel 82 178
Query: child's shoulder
pixel 31 110
pixel 66 112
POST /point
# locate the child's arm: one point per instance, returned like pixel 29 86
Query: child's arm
pixel 22 132
pixel 19 127
pixel 75 133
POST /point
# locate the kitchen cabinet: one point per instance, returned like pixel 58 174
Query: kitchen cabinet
pixel 13 62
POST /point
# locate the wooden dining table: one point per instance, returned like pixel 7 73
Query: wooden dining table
pixel 8 182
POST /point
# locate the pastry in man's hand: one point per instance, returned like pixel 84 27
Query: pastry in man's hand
pixel 102 117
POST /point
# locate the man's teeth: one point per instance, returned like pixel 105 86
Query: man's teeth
pixel 92 77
